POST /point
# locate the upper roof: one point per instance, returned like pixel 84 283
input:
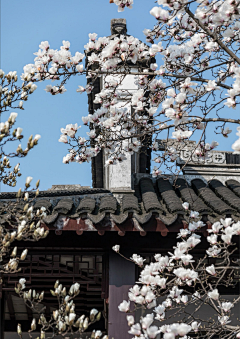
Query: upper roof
pixel 156 205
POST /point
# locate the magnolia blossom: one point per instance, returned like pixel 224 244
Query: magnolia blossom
pixel 28 181
pixel 185 205
pixel 195 325
pixel 213 294
pixel 130 320
pixel 212 239
pixel 211 85
pixel 213 251
pixel 138 259
pixel 116 248
pixel 226 306
pixel 211 270
pixel 135 329
pixel 124 306
pixel 224 320
pixel 22 282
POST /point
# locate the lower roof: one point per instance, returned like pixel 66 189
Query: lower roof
pixel 159 201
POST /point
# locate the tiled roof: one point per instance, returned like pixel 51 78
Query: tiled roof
pixel 155 206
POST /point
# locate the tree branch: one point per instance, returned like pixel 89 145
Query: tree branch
pixel 212 35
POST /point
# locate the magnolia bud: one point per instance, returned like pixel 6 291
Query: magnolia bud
pixel 85 324
pixel 98 317
pixel 42 318
pixel 18 195
pixel 93 313
pixel 28 181
pixel 37 183
pixel 33 324
pixel 64 289
pixel 29 295
pixel 19 329
pixel 41 295
pixel 71 318
pixel 44 236
pixel 55 314
pixel 26 196
pixel 24 254
pixel 13 235
pixel 14 252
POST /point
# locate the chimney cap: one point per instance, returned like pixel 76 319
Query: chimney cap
pixel 118 26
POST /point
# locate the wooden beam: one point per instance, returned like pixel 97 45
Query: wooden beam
pixel 10 307
pixel 2 313
pixel 121 278
pixel 29 313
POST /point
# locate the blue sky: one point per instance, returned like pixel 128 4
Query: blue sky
pixel 24 24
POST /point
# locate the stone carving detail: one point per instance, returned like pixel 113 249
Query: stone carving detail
pixel 213 158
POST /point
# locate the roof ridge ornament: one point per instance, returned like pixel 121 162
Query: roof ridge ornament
pixel 118 26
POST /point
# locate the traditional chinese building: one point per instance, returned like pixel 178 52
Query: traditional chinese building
pixel 125 206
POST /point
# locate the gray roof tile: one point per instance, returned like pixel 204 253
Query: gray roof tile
pixel 63 206
pixel 188 195
pixel 170 198
pixel 210 198
pixel 225 193
pixel 149 196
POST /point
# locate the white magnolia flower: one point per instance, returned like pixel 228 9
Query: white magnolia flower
pixel 212 239
pixel 195 325
pixel 22 282
pixel 211 270
pixel 138 259
pixel 18 132
pixel 185 205
pixel 81 89
pixel 213 294
pixel 213 251
pixel 226 222
pixel 181 135
pixel 152 332
pixel 226 131
pixel 226 306
pixel 63 138
pixel 194 214
pixel 211 85
pixel 227 238
pixel 224 320
pixel 116 248
pixel 13 117
pixel 28 180
pixel 130 320
pixel 135 329
pixel 124 306
pixel 147 321
pixel 215 228
pixel 183 329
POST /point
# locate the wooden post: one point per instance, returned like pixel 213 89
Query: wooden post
pixel 2 314
pixel 121 278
